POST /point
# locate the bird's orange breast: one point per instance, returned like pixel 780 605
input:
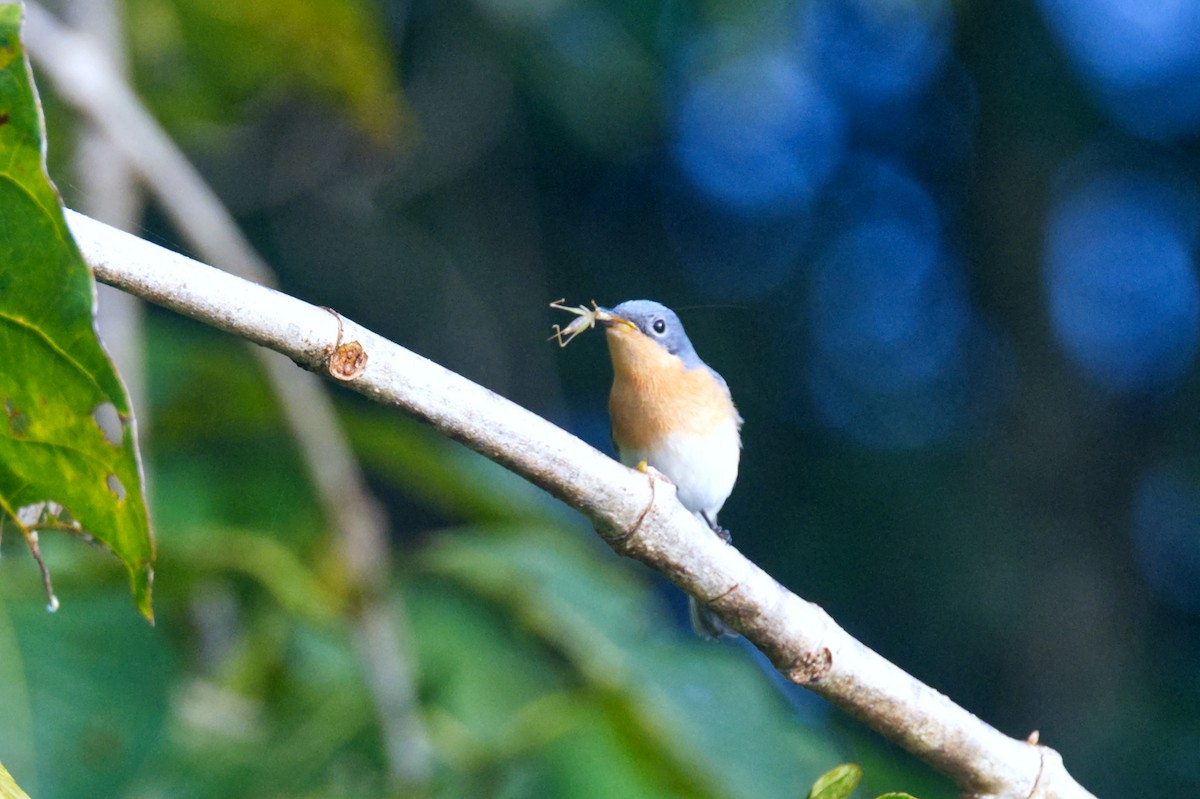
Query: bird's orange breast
pixel 654 394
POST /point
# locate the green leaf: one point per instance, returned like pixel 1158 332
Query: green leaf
pixel 272 565
pixel 896 795
pixel 68 449
pixel 8 786
pixel 96 686
pixel 704 718
pixel 16 733
pixel 837 783
pixel 441 474
pixel 211 56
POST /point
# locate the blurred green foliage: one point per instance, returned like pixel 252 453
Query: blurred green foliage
pixel 203 62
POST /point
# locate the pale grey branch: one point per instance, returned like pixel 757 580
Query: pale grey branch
pixel 637 518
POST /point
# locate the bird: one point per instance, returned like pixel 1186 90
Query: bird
pixel 673 412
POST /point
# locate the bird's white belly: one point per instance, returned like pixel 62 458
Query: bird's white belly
pixel 702 467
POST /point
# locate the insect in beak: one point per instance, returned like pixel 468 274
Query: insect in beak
pixel 586 318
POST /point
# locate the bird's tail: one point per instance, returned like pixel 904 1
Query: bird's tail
pixel 706 623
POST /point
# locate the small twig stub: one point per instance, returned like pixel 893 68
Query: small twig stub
pixel 347 360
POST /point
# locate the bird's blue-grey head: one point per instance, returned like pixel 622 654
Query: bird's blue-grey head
pixel 660 324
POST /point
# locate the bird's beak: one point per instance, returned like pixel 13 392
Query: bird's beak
pixel 608 318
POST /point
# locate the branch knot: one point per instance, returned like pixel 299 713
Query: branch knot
pixel 347 360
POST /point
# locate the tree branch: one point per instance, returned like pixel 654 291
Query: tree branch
pixel 639 517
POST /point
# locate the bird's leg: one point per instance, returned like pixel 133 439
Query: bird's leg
pixel 721 532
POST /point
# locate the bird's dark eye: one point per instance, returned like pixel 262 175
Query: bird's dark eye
pixel 659 326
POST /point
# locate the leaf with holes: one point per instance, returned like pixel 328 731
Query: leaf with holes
pixel 68 450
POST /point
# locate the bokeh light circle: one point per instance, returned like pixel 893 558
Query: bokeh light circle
pixel 757 134
pixel 1121 280
pixel 877 52
pixel 889 317
pixel 1141 59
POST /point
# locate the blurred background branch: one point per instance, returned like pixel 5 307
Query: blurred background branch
pixel 109 191
pixel 89 77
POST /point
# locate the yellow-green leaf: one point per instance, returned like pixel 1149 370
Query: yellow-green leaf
pixel 68 449
pixel 837 783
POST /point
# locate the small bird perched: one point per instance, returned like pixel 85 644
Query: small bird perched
pixel 671 411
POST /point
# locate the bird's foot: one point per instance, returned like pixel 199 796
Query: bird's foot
pixel 721 532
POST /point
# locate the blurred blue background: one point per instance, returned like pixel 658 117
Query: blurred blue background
pixel 944 254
